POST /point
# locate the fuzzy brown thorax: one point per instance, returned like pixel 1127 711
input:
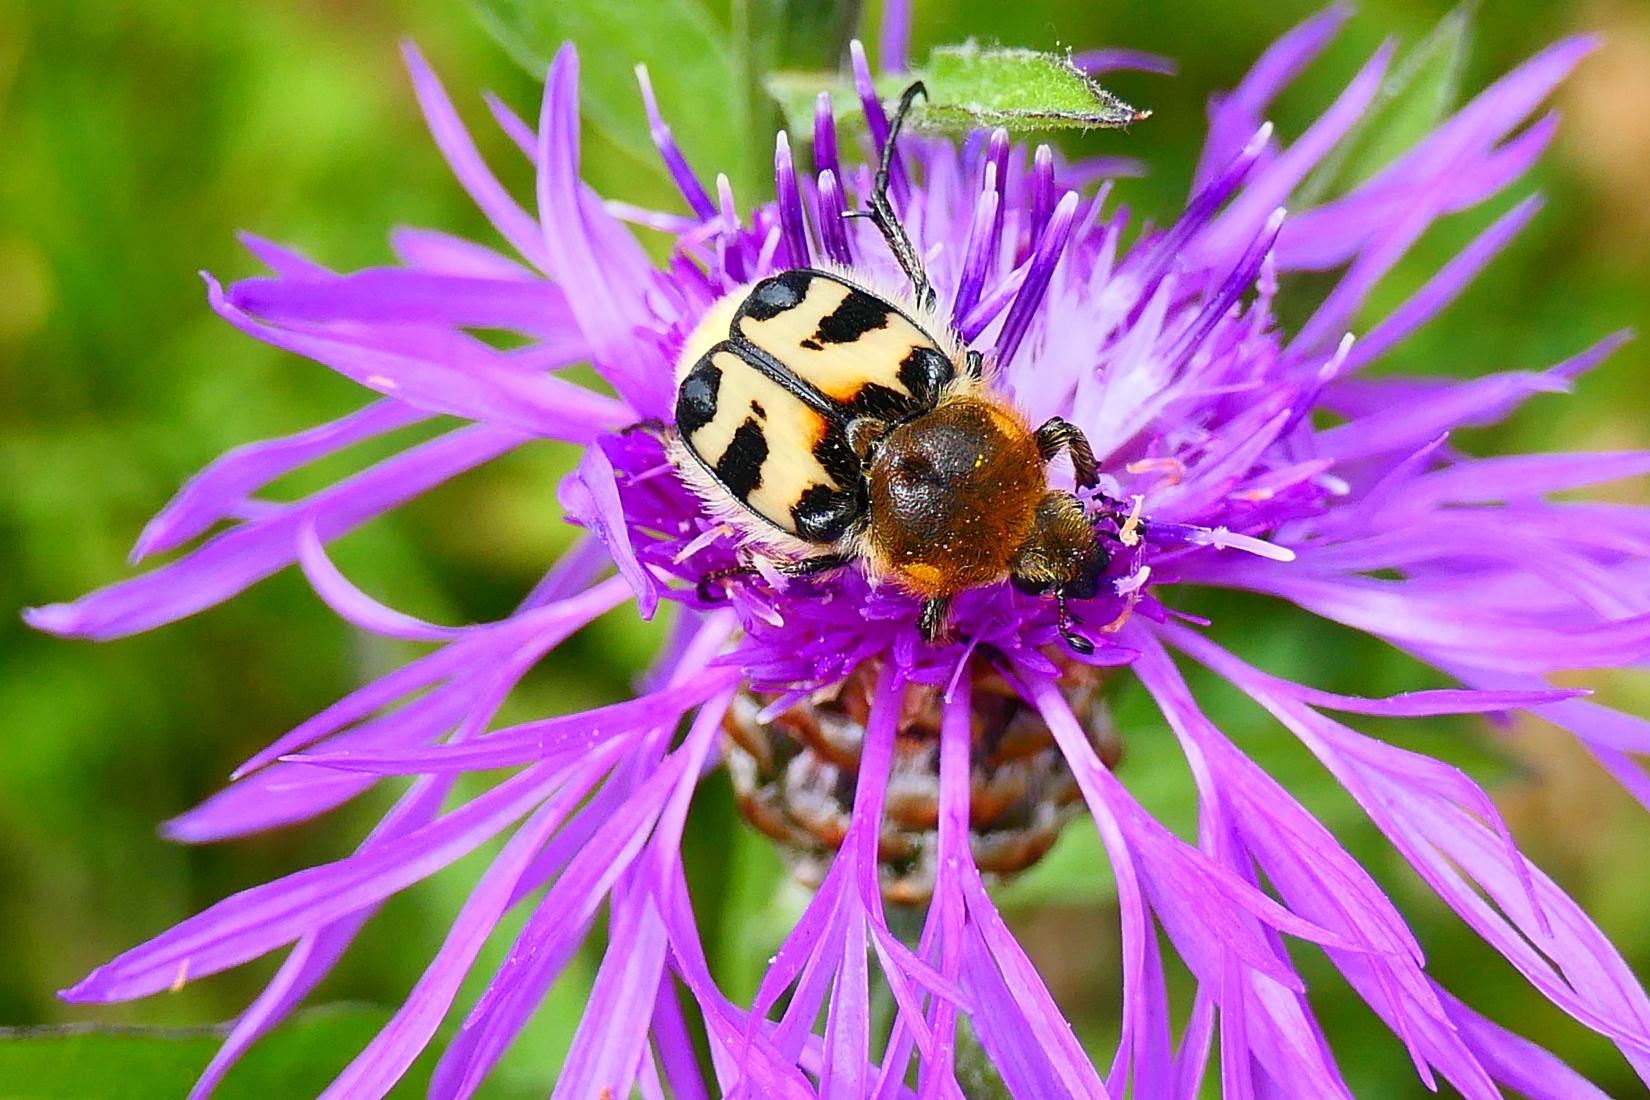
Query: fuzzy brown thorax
pixel 953 495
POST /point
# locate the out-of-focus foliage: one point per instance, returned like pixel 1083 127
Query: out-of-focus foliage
pixel 139 135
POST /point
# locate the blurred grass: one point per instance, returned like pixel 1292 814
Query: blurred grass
pixel 141 134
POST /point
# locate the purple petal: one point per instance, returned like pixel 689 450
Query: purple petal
pixel 795 226
pixel 561 919
pixel 310 961
pixel 536 740
pixel 833 233
pixel 286 793
pixel 220 489
pixel 1449 831
pixel 613 1032
pixel 477 649
pixel 1492 114
pixel 1523 477
pixel 1473 403
pixel 979 254
pixel 258 920
pixel 583 256
pixel 1271 186
pixel 394 296
pixel 1009 1033
pixel 381 1064
pixel 440 253
pixel 894 43
pixel 1100 62
pixel 314 956
pixel 235 560
pixel 478 386
pixel 1233 117
pixel 1479 638
pixel 590 497
pixel 825 153
pixel 675 163
pixel 1050 246
pixel 355 606
pixel 847 1032
pixel 512 222
pixel 1516 1062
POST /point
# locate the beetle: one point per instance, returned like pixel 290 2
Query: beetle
pixel 834 422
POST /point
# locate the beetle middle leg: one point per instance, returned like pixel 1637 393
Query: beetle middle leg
pixel 652 426
pixel 882 211
pixel 806 567
pixel 1056 435
pixel 709 595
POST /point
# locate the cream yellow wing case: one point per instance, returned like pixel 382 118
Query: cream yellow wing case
pixel 855 348
pixel 775 453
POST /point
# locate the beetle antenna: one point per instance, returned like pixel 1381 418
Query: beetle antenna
pixel 882 211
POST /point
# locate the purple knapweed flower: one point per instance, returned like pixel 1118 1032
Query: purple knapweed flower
pixel 1220 471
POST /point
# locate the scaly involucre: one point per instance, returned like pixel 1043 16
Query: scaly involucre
pixel 1205 412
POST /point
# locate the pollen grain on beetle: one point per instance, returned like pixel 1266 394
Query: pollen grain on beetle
pixel 915 511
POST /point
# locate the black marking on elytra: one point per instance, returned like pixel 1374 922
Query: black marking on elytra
pixel 739 468
pixel 775 295
pixel 756 407
pixel 823 514
pixel 696 400
pixel 882 402
pixel 856 315
pixel 924 373
pixel 860 312
pixel 836 456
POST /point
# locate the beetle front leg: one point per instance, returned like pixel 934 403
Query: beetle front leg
pixel 1067 623
pixel 1056 435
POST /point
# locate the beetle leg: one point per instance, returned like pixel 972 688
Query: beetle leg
pixel 652 426
pixel 864 433
pixel 708 595
pixel 806 567
pixel 1066 622
pixel 931 622
pixel 809 567
pixel 1057 434
pixel 882 211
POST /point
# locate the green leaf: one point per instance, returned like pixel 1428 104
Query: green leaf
pixel 971 87
pixel 697 67
pixel 136 1063
pixel 1422 88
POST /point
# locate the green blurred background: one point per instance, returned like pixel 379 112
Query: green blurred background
pixel 136 137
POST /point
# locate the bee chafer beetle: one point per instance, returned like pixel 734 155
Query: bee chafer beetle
pixel 833 422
